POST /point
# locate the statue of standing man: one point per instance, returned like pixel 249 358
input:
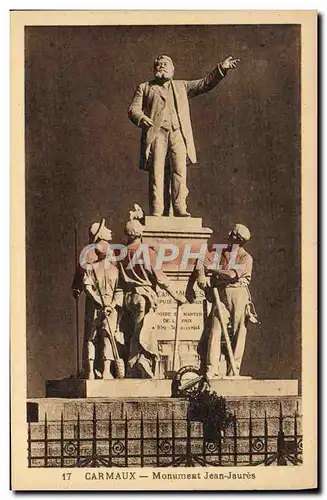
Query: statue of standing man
pixel 160 108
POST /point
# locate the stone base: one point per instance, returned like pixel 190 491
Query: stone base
pixel 152 407
pixel 134 388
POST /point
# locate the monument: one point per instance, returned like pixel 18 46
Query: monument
pixel 157 356
pixel 164 297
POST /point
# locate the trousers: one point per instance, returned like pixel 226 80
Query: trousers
pixel 98 343
pixel 167 181
pixel 235 300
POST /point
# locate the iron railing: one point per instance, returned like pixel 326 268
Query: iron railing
pixel 163 442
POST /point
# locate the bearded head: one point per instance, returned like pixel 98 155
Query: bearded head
pixel 163 68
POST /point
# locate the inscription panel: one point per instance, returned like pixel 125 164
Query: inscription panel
pixel 190 316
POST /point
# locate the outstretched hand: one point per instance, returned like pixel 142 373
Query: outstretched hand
pixel 230 63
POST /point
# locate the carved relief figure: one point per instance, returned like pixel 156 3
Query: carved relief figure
pixel 103 303
pixel 140 277
pixel 231 304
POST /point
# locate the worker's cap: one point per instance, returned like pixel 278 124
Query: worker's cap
pixel 99 231
pixel 241 232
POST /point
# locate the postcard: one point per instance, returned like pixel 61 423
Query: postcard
pixel 164 250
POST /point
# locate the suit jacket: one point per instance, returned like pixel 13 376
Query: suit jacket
pixel 150 99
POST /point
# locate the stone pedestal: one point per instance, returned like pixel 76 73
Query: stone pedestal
pixel 127 388
pixel 152 406
pixel 186 233
pixel 188 236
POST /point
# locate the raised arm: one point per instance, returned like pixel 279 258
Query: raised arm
pixel 198 87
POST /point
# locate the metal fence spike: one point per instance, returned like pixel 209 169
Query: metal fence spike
pixel 154 445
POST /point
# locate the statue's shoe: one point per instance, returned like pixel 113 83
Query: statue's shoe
pixel 182 214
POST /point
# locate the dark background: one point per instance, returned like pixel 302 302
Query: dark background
pixel 82 159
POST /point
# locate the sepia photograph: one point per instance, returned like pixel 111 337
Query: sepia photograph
pixel 163 203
